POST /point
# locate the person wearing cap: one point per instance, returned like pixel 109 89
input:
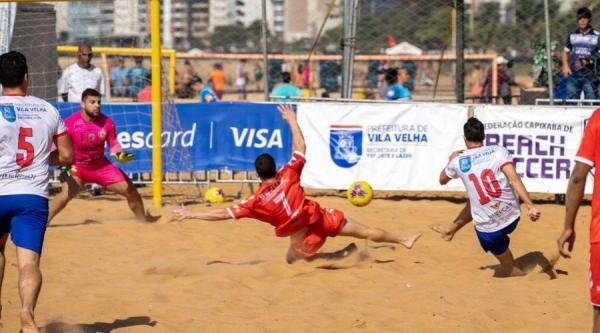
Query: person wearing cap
pixel 205 93
pixel 581 48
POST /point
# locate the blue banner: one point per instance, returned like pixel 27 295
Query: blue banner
pixel 198 136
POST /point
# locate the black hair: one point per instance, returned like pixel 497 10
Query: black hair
pixel 195 79
pixel 474 130
pixel 265 166
pixel 89 92
pixel 13 67
pixel 391 76
pixel 584 12
pixel 286 77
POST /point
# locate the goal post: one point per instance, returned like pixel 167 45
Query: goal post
pixel 156 103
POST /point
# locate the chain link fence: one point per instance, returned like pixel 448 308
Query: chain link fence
pixel 220 42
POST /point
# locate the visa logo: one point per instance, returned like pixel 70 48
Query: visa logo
pixel 256 138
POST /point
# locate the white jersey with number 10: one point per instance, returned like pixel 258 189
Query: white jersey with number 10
pixel 494 204
pixel 27 128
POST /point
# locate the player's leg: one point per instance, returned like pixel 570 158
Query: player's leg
pixel 113 179
pixel 357 230
pixel 497 242
pixel 3 239
pixel 70 187
pixel 448 231
pixel 134 200
pixel 596 327
pixel 28 227
pixel 507 262
pixel 30 283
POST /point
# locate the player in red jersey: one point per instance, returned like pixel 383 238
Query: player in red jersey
pixel 280 201
pixel 90 130
pixel 587 157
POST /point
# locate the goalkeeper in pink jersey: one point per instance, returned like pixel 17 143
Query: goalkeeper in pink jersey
pixel 89 131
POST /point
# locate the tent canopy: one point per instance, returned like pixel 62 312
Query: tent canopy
pixel 404 48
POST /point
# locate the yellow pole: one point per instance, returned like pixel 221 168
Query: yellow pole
pixel 172 72
pixel 156 98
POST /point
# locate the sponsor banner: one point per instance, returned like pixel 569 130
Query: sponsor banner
pixel 199 136
pixel 542 140
pixel 391 146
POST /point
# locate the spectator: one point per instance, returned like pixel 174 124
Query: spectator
pixel 298 76
pixel 217 77
pixel 118 78
pixel 397 80
pixel 205 93
pixel 411 68
pixel 258 75
pixel 145 95
pixel 184 85
pixel 136 77
pixel 80 76
pixel 306 76
pixel 580 50
pixel 382 85
pixel 503 82
pixel 241 79
pixel 476 80
pixel 285 92
pixel 505 88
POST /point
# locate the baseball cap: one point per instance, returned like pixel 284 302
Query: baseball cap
pixel 501 60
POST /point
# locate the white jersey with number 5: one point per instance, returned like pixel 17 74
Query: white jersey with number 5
pixel 494 204
pixel 27 127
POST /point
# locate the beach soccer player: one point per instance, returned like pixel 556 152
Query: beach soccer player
pixel 280 201
pixel 586 158
pixel 89 130
pixel 491 182
pixel 28 128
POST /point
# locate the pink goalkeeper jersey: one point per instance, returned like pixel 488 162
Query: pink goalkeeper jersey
pixel 89 138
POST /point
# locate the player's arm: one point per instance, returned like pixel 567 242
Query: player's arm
pixel 517 185
pixel 212 215
pixel 63 155
pixel 573 199
pixel 288 114
pixel 444 178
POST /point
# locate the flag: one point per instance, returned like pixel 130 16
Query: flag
pixel 391 41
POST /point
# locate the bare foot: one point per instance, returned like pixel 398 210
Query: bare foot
pixel 443 231
pixel 27 323
pixel 409 241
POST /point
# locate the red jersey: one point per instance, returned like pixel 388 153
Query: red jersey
pixel 89 139
pixel 589 153
pixel 281 202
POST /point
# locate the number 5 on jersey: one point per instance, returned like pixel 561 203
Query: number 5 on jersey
pixel 24 160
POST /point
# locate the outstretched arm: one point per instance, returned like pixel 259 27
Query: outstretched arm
pixel 212 215
pixel 517 184
pixel 288 114
pixel 572 203
pixel 63 155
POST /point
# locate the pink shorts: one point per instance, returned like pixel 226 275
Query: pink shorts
pixel 103 175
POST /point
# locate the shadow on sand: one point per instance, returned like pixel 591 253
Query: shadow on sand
pixel 528 262
pixel 60 327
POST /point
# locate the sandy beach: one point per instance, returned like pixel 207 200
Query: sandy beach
pixel 105 273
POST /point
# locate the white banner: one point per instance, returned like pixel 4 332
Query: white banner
pixel 391 146
pixel 543 141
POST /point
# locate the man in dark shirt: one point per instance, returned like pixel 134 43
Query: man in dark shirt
pixel 580 48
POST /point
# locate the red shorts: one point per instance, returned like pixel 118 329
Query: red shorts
pixel 329 225
pixel 103 175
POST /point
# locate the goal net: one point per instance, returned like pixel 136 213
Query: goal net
pixel 48 33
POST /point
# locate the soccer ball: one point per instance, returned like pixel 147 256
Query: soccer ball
pixel 214 195
pixel 359 193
